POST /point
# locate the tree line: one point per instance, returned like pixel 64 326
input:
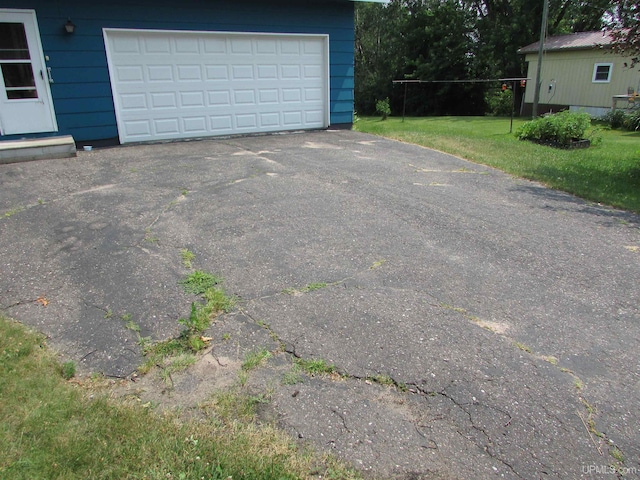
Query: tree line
pixel 454 40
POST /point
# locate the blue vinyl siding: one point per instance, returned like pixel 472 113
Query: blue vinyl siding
pixel 81 90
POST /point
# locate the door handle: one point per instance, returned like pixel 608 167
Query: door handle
pixel 49 75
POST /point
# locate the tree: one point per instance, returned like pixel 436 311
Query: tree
pixel 624 28
pixel 462 40
pixel 378 52
pixel 439 42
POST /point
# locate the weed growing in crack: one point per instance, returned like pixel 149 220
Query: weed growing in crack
pixel 377 264
pixel 243 377
pixel 272 334
pixel 313 286
pixel 12 212
pixel 315 366
pixel 381 379
pixel 217 301
pixel 293 376
pixel 455 309
pixel 176 354
pixel 187 258
pixel 308 288
pixel 590 423
pixel 199 282
pixel 130 324
pixel 148 236
pixel 523 347
pixel 617 454
pixel 255 359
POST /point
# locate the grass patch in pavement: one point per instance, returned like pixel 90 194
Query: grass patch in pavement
pixel 175 354
pixel 50 428
pixel 315 366
pixel 608 173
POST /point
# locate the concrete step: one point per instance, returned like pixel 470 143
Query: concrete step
pixel 12 151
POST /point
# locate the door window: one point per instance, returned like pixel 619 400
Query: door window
pixel 15 62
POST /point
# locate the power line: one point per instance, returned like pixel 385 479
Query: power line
pixel 474 80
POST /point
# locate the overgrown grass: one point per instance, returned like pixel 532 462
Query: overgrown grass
pixel 50 428
pixel 608 173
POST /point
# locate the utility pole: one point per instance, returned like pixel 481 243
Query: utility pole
pixel 543 32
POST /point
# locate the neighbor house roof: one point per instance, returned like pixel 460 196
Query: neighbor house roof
pixel 572 41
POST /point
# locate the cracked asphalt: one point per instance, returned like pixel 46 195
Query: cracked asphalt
pixel 503 314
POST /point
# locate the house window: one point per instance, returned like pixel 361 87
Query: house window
pixel 602 72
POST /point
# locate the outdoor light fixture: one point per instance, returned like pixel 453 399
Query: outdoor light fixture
pixel 69 27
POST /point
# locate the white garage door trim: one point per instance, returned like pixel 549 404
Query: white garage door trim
pixel 173 84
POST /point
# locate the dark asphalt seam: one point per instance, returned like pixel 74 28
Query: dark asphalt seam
pixel 461 406
pixel 9 307
pixel 344 421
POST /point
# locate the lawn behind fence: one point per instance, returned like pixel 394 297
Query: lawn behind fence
pixel 607 173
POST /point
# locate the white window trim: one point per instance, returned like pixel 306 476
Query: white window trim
pixel 595 70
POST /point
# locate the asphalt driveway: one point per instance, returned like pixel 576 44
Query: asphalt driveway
pixel 506 312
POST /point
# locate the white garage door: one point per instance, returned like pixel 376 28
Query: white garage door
pixel 174 84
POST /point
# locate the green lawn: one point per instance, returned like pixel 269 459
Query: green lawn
pixel 608 173
pixel 54 429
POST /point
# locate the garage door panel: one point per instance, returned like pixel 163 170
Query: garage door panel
pixel 216 72
pixel 219 98
pixel 163 100
pixel 221 123
pixel 291 95
pixel 169 84
pixel 154 44
pixel 271 119
pixel 189 73
pixel 241 46
pixel 290 47
pixel 129 74
pixel 168 126
pixel 135 101
pixel 187 46
pixel 192 99
pixel 160 73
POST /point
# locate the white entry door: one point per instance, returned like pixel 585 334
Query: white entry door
pixel 25 97
pixel 180 84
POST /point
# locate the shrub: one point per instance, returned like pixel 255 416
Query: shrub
pixel 632 121
pixel 499 103
pixel 614 118
pixel 627 120
pixel 558 128
pixel 383 108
